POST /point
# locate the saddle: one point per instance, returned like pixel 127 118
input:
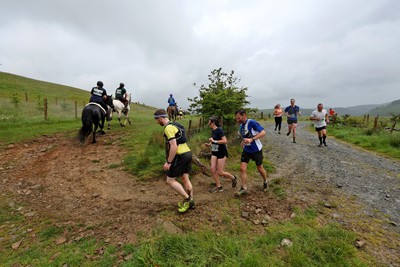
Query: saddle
pixel 97 104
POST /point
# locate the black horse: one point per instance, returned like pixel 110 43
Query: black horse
pixel 93 114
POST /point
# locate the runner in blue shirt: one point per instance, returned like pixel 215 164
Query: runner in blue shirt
pixel 292 112
pixel 250 131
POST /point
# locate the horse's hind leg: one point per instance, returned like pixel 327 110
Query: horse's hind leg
pixel 119 119
pixel 94 134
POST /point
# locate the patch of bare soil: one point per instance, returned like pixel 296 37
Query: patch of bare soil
pixel 86 188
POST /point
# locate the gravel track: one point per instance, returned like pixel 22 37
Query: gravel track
pixel 374 179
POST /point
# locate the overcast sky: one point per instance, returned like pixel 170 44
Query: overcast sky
pixel 338 52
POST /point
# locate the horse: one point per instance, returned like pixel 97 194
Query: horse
pixel 119 107
pixel 172 112
pixel 92 114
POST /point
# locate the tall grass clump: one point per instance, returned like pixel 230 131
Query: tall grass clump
pixel 148 163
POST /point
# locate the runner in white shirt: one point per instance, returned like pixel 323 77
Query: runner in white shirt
pixel 320 118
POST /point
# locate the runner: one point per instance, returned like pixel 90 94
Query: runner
pixel 292 112
pixel 278 117
pixel 250 131
pixel 219 153
pixel 320 118
pixel 179 159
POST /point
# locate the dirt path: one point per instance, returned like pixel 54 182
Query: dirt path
pixel 86 188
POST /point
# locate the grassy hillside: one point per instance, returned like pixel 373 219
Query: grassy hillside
pixel 10 84
pixel 386 110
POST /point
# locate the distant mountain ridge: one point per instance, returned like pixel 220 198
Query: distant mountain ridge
pixel 386 109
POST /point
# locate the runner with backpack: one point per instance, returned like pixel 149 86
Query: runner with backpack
pixel 178 159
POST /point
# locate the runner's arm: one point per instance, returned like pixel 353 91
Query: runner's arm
pixel 172 150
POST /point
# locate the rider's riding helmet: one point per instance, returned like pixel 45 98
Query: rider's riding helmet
pixel 121 85
pixel 100 83
pixel 170 94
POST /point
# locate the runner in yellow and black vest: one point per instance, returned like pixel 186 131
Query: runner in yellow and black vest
pixel 178 159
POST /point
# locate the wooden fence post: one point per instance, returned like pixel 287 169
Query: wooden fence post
pixel 26 97
pixel 189 127
pixel 262 115
pixel 45 109
pixel 56 102
pixel 76 109
pixel 367 120
pixel 376 123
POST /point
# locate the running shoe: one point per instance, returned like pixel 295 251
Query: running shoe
pixel 288 134
pixel 241 192
pixel 217 189
pixel 265 186
pixel 325 144
pixel 320 145
pixel 234 181
pixel 186 205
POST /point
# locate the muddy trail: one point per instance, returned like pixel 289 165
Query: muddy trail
pixel 86 188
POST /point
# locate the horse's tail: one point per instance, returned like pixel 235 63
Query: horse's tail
pixel 87 124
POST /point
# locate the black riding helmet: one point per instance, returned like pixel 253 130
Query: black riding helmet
pixel 100 83
pixel 121 85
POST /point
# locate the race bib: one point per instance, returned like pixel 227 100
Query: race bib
pixel 214 147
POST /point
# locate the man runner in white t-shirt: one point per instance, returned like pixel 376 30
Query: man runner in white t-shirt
pixel 320 118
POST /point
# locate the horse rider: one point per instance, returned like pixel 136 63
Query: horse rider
pixel 180 112
pixel 121 95
pixel 99 95
pixel 171 100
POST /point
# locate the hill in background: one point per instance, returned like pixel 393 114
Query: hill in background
pixel 388 109
pixel 13 84
pixel 381 110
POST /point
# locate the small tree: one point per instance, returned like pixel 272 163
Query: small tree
pixel 221 97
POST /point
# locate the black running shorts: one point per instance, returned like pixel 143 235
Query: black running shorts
pixel 320 128
pixel 257 157
pixel 180 165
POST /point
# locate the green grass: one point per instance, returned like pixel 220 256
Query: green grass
pixel 313 245
pixel 381 141
pixel 13 84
